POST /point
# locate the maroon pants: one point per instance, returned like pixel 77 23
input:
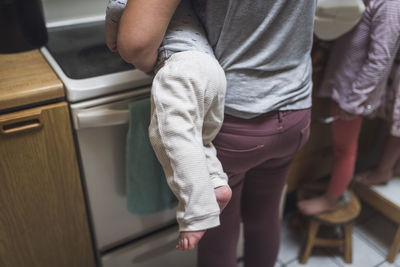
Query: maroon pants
pixel 256 155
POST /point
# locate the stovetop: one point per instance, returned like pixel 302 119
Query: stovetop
pixel 81 52
pixel 78 54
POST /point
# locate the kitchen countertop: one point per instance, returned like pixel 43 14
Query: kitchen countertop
pixel 27 79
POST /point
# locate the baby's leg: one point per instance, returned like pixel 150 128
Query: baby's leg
pixel 214 105
pixel 176 135
pixel 189 239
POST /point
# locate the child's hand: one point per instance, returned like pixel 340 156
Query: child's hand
pixel 111 37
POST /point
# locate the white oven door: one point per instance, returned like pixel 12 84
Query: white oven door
pixel 157 250
pixel 101 126
pixel 154 251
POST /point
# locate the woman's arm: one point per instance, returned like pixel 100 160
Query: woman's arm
pixel 141 31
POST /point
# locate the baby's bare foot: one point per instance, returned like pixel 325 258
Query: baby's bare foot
pixel 189 239
pixel 223 195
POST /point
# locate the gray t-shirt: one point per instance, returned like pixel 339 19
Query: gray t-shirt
pixel 264 47
pixel 184 32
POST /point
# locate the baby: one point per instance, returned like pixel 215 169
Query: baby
pixel 187 107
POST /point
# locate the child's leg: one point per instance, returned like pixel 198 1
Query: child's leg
pixel 176 135
pixel 386 165
pixel 345 140
pixel 345 143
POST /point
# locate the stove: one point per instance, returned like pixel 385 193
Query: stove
pixel 78 54
pixel 81 52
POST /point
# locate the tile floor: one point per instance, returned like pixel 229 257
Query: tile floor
pixel 372 236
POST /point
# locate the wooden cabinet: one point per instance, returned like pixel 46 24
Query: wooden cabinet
pixel 43 219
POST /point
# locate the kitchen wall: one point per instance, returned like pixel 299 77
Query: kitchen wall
pixel 62 10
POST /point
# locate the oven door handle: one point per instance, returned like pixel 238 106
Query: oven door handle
pixel 100 118
pixel 159 250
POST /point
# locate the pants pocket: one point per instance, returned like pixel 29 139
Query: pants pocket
pixel 250 149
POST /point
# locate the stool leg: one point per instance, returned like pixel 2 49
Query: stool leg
pixel 395 247
pixel 312 232
pixel 348 243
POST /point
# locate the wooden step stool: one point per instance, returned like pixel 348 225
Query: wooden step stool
pixel 342 217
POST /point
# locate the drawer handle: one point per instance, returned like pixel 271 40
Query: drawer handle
pixel 21 124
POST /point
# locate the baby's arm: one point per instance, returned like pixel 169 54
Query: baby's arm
pixel 113 16
pixel 142 29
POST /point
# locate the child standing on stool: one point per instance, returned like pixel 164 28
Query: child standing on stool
pixel 187 102
pixel 355 78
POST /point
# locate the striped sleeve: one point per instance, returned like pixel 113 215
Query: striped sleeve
pixel 384 39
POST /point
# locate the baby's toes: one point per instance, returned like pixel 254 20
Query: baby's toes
pixel 179 245
pixel 185 243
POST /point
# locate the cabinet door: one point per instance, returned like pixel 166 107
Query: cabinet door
pixel 43 219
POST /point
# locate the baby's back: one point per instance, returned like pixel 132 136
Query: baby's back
pixel 184 33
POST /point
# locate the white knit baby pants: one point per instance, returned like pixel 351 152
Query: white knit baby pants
pixel 187 107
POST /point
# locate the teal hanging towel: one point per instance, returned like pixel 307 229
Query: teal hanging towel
pixel 147 191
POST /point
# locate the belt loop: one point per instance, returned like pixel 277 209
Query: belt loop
pixel 279 116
